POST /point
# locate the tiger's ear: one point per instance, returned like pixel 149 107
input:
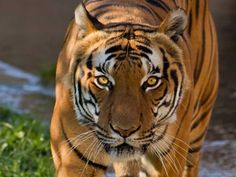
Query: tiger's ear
pixel 174 24
pixel 87 23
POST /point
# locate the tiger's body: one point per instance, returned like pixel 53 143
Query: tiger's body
pixel 135 87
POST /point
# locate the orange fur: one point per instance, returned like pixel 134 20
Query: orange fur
pixel 126 106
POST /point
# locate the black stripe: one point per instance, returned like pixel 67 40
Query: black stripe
pixel 135 57
pixel 160 137
pixel 89 118
pixel 150 135
pixel 190 21
pixel 155 70
pixel 171 145
pixel 207 99
pixel 144 55
pixel 144 49
pixel 89 75
pixel 100 7
pixel 110 57
pixel 103 9
pixel 121 56
pixel 175 1
pixel 100 13
pixel 203 47
pixel 101 129
pixel 139 38
pixel 113 40
pixel 154 113
pixel 165 64
pixel 140 6
pixel 199 138
pixel 80 155
pixel 121 27
pixel 160 4
pixel 92 95
pixel 100 69
pixel 198 121
pixel 104 135
pixel 142 40
pixel 195 150
pixel 197 5
pixel 173 74
pixel 93 104
pixel 89 62
pixel 113 49
pixel 164 94
pixel 204 101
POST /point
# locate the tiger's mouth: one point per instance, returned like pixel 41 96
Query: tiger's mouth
pixel 124 151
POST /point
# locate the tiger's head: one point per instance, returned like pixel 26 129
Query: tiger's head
pixel 128 80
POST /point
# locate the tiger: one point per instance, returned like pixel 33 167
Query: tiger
pixel 136 83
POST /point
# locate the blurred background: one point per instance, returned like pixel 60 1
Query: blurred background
pixel 31 36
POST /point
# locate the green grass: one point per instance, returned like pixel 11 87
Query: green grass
pixel 24 146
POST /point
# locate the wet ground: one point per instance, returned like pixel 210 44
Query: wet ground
pixel 31 34
pixel 22 92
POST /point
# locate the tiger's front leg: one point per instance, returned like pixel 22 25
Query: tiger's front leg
pixel 73 163
pixel 76 150
pixel 171 163
pixel 71 171
pixel 129 168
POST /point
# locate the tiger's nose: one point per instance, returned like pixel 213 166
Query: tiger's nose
pixel 125 132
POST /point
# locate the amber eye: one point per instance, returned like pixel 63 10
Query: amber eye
pixel 102 80
pixel 152 81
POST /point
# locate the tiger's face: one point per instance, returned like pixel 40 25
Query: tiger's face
pixel 128 83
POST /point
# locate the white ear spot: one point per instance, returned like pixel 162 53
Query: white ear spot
pixel 142 174
pixel 175 23
pixel 80 15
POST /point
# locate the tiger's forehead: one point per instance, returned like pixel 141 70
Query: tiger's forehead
pixel 128 50
pixel 130 32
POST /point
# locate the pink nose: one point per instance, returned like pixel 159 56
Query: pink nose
pixel 124 132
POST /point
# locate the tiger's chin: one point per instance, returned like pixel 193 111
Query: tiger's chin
pixel 125 152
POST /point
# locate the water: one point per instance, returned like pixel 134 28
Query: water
pixel 22 92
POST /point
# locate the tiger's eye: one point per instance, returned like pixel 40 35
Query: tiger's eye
pixel 152 81
pixel 102 80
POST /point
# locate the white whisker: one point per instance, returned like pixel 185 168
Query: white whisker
pixel 157 152
pixel 90 149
